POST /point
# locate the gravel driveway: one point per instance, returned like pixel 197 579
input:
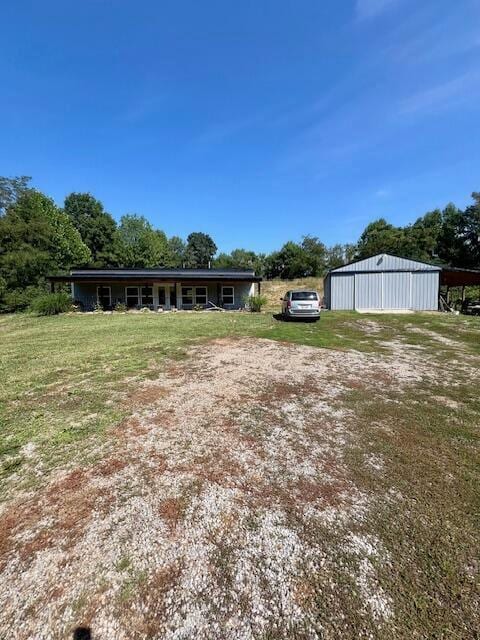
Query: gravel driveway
pixel 223 508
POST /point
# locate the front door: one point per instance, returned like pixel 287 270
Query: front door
pixel 161 297
pixel 104 297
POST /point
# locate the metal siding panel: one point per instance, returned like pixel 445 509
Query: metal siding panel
pixel 385 262
pixel 368 291
pixel 425 291
pixel 342 291
pixel 396 290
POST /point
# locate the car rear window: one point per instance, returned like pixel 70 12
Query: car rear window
pixel 304 295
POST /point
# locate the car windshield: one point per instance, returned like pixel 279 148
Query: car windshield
pixel 304 295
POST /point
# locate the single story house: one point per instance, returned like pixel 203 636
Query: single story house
pixel 160 288
pixel 387 282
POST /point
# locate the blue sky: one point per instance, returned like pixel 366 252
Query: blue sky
pixel 255 121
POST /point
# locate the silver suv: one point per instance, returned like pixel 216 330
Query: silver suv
pixel 301 304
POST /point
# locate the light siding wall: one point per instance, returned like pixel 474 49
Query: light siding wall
pixel 425 288
pixel 417 290
pixel 368 291
pixel 86 294
pixel 397 292
pixel 341 290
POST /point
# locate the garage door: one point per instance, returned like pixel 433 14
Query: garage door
pixel 368 291
pixel 341 287
pixel 397 290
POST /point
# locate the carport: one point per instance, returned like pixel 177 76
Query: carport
pixel 455 278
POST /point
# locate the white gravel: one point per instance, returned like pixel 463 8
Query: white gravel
pixel 192 527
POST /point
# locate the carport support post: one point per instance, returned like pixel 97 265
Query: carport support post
pixel 448 295
pixel 463 293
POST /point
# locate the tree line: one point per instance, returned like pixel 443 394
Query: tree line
pixel 38 238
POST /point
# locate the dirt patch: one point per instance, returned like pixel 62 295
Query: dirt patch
pixel 196 523
pixel 437 337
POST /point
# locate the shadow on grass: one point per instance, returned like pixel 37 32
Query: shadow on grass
pixel 279 317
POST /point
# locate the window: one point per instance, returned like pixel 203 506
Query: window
pixel 194 295
pixel 187 295
pixel 104 296
pixel 200 295
pixel 304 295
pixel 147 296
pixel 131 297
pixel 227 295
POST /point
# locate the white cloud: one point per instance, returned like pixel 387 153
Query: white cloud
pixel 443 96
pixel 366 9
pixel 219 132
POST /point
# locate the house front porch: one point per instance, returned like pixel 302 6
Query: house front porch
pixel 160 288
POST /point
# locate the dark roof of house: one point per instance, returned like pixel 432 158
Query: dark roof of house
pixel 85 275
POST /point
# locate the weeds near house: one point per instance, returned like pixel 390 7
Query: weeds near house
pixel 256 302
pixel 51 304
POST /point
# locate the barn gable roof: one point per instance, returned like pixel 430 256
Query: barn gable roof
pixel 385 262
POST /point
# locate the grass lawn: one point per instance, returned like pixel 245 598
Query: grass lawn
pixel 352 445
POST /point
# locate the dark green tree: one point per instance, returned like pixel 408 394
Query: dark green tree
pixel 381 237
pixel 177 250
pixel 138 244
pixel 421 238
pixel 11 189
pixel 470 233
pixel 288 263
pixel 36 239
pixel 315 256
pixel 336 256
pixel 95 225
pixel 199 251
pixel 459 239
pixel 241 259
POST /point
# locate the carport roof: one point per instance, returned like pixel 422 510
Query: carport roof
pixel 454 277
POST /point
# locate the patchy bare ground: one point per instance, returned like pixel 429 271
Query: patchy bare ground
pixel 224 508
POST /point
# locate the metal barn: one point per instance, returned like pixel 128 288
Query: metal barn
pixel 383 282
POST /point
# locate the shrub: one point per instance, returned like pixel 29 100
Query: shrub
pixel 255 303
pixel 121 307
pixel 20 299
pixel 51 304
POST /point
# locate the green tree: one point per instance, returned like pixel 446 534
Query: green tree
pixel 421 238
pixel 336 256
pixel 459 239
pixel 470 233
pixel 381 237
pixel 96 227
pixel 199 251
pixel 288 263
pixel 11 189
pixel 138 244
pixel 223 261
pixel 177 250
pixel 315 256
pixel 36 239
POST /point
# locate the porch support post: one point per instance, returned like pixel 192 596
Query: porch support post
pixel 52 286
pixel 463 293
